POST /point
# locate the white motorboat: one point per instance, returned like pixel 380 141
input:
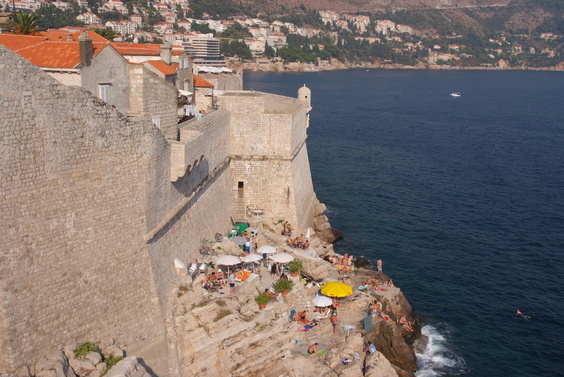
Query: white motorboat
pixel 455 94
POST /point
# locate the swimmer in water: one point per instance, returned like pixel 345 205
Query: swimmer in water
pixel 522 315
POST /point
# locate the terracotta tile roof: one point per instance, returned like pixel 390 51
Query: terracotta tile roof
pixel 56 54
pixel 15 42
pixel 45 52
pixel 162 67
pixel 151 49
pixel 61 34
pixel 201 83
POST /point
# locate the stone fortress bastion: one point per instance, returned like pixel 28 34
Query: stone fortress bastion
pixel 96 206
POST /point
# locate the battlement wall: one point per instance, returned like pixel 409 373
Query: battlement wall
pixel 95 206
pixel 268 134
pixel 91 222
pixel 73 176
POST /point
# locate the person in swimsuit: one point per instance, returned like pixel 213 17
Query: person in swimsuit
pixel 312 351
pixel 334 321
pixel 522 315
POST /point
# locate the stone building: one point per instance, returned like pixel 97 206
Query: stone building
pixel 96 205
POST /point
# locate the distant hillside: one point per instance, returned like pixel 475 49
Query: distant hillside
pixel 372 5
pixel 429 16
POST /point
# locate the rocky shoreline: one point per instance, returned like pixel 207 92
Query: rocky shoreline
pixel 217 333
pixel 211 333
pixel 335 65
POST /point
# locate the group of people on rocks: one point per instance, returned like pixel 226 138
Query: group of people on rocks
pixel 377 309
pixel 276 270
pixel 287 229
pixel 375 283
pixel 343 263
pixel 214 280
pixel 299 242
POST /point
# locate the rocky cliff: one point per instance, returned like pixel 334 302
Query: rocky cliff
pixel 212 332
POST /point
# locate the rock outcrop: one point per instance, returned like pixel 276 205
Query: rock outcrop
pixel 213 333
pixel 321 224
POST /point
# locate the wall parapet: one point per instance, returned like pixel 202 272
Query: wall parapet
pixel 197 143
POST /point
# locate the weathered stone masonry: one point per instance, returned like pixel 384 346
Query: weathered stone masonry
pixel 95 206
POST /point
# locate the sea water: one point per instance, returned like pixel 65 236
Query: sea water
pixel 462 198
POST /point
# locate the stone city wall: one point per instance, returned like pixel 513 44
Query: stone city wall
pixel 74 266
pixel 268 133
pixel 197 204
pixel 82 186
pixel 96 206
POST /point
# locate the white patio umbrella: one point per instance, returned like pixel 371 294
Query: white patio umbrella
pixel 267 249
pixel 251 258
pixel 322 301
pixel 281 257
pixel 308 233
pixel 227 260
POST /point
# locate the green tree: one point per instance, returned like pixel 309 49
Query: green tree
pixel 269 51
pixel 202 28
pixel 106 33
pixel 25 23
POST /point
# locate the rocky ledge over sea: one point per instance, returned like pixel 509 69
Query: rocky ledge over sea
pixel 211 332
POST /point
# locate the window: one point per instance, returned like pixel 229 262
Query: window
pixel 104 92
pixel 187 85
pixel 157 122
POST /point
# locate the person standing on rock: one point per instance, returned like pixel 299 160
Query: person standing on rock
pixel 232 283
pixel 334 321
pixel 370 349
pixel 379 264
pixel 274 270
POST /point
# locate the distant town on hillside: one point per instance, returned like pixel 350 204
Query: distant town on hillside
pixel 525 35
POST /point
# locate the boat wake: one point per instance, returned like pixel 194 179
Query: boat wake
pixel 437 359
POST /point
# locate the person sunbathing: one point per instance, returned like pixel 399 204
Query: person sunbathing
pixel 386 317
pixel 301 317
pixel 406 324
pixel 273 296
pixel 312 351
pixel 375 308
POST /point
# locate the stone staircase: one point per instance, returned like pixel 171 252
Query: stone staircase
pixel 240 207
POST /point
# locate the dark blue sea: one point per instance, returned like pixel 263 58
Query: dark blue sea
pixel 462 198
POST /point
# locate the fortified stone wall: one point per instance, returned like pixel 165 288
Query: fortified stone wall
pixel 160 102
pixel 197 204
pixel 96 206
pixel 73 264
pixel 304 196
pixel 82 188
pixel 268 134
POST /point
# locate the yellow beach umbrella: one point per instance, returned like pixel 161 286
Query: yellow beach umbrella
pixel 336 289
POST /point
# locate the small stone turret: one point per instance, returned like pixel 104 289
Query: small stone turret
pixel 304 95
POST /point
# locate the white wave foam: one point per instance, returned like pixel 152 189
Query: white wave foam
pixel 438 359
